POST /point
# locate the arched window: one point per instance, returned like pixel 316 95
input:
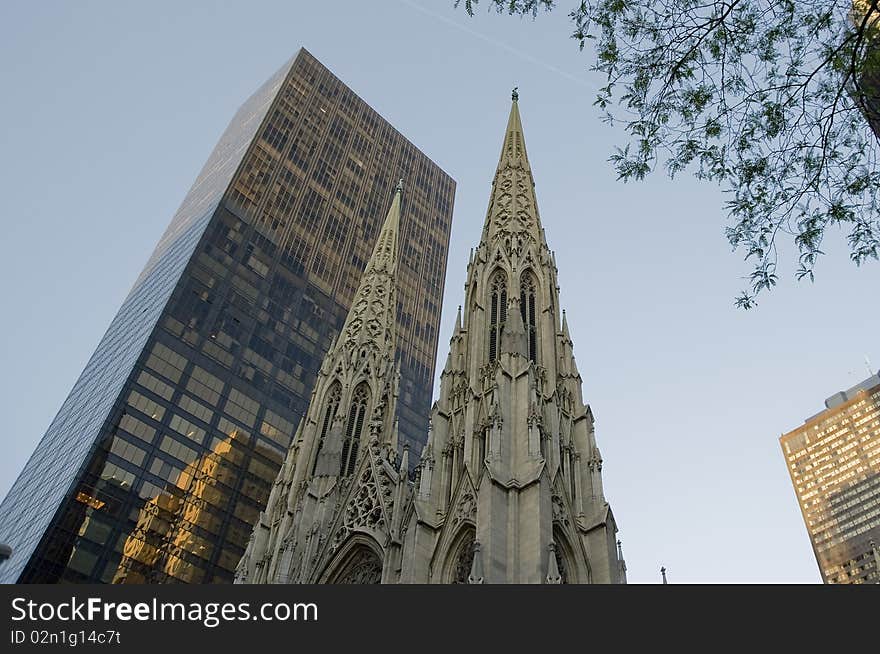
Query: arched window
pixel 481 436
pixel 362 566
pixel 562 565
pixel 449 461
pixel 497 312
pixel 564 558
pixel 329 414
pixel 464 559
pixel 527 309
pixel 354 427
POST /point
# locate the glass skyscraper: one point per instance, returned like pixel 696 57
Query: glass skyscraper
pixel 163 455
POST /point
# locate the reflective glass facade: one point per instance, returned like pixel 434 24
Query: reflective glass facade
pixel 834 463
pixel 162 457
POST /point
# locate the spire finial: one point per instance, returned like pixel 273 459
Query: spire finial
pixel 514 95
pixel 476 575
pixel 876 552
pixel 400 185
pixel 553 574
pixel 404 461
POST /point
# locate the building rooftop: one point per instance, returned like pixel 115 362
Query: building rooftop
pixel 841 397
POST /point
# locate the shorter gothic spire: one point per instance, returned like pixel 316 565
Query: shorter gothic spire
pixel 384 257
pixel 373 316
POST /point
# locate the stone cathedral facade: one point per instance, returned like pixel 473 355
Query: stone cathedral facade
pixel 509 486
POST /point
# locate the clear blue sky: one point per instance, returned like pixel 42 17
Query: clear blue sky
pixel 109 110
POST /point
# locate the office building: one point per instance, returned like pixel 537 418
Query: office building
pixel 161 458
pixel 834 463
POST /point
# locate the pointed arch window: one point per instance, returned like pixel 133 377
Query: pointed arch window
pixel 327 422
pixel 527 303
pixel 482 438
pixel 497 312
pixel 563 558
pixel 449 462
pixel 562 456
pixel 463 559
pixel 354 427
pixel 362 566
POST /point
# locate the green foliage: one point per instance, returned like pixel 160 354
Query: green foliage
pixel 769 99
pixel 512 7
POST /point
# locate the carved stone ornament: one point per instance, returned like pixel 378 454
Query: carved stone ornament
pixel 465 508
pixel 560 513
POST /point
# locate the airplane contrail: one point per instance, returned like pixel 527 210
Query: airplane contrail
pixel 499 44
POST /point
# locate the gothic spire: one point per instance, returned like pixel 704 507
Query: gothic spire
pixel 567 364
pixel 371 320
pixel 514 150
pixel 384 257
pixel 513 209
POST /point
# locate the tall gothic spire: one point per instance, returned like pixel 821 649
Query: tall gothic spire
pixel 513 151
pixel 513 208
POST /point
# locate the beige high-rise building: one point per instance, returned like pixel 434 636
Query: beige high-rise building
pixel 509 485
pixel 834 463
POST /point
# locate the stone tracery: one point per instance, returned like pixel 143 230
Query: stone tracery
pixel 361 567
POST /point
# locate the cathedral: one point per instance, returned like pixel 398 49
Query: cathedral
pixel 508 488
